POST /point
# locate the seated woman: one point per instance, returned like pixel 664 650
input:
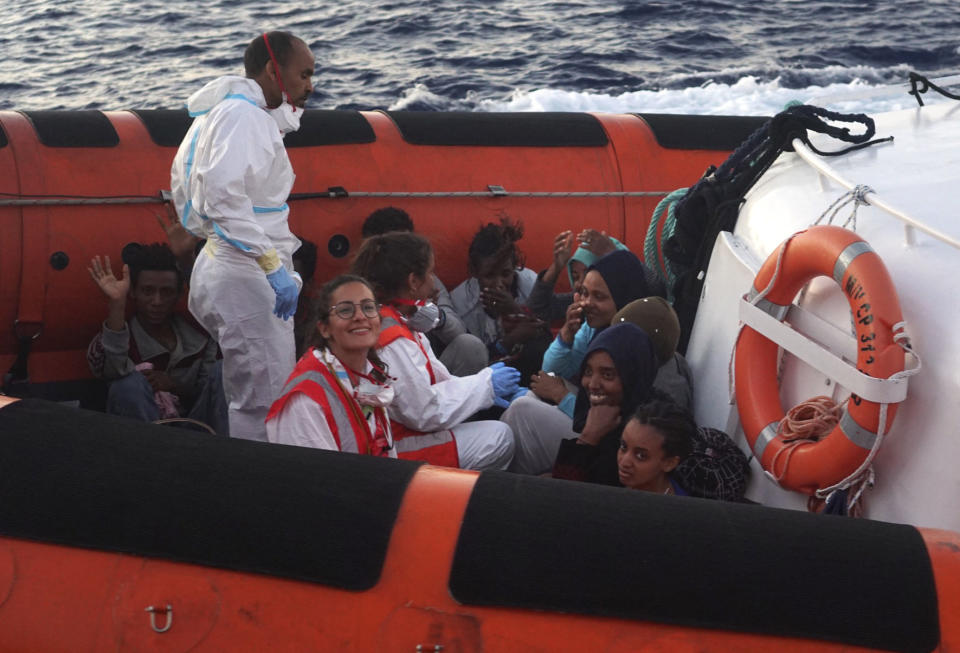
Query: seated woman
pixel 337 395
pixel 492 302
pixel 608 285
pixel 615 378
pixel 658 436
pixel 591 246
pixel 461 352
pixel 430 405
pixel 655 316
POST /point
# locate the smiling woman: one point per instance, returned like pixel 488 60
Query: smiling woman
pixel 337 395
pixel 616 376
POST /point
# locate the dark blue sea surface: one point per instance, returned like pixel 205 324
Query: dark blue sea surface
pixel 713 56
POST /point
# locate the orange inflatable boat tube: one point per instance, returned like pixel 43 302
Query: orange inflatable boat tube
pixel 78 184
pixel 120 536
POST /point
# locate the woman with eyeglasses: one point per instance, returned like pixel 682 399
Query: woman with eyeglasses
pixel 337 395
pixel 431 405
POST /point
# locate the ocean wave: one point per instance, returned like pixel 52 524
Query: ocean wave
pixel 715 56
pixel 748 96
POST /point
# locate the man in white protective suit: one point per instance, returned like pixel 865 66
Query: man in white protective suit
pixel 230 180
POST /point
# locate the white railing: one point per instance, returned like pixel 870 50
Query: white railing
pixel 910 223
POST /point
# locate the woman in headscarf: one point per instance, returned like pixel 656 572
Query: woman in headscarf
pixel 616 377
pixel 609 284
pixel 592 245
pixel 612 282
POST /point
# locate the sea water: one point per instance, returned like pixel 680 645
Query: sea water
pixel 746 57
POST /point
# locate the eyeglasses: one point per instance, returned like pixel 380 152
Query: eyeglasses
pixel 346 310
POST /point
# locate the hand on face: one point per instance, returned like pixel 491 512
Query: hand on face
pixel 573 320
pixel 601 419
pixel 496 277
pixel 598 303
pixel 498 301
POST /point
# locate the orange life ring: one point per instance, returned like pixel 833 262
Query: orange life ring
pixel 863 278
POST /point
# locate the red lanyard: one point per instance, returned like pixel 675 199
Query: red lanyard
pixel 276 67
pixel 377 444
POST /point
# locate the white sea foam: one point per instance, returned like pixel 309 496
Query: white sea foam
pixel 746 97
pixel 419 94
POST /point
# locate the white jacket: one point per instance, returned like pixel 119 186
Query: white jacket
pixel 302 422
pixel 231 176
pixel 424 407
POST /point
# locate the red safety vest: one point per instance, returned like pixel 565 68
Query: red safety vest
pixel 438 448
pixel 342 411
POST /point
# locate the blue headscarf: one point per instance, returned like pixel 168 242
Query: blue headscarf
pixel 635 358
pixel 625 276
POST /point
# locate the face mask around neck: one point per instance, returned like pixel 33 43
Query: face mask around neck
pixel 373 394
pixel 426 318
pixel 286 116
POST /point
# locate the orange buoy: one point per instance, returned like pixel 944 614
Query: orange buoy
pixel 841 254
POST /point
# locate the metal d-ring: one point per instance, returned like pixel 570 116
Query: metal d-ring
pixel 153 617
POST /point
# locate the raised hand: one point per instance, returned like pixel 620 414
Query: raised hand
pixel 114 289
pixel 562 248
pixel 598 242
pixel 182 243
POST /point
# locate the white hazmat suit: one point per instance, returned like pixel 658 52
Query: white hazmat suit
pixel 230 181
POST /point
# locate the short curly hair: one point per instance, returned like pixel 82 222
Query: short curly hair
pixel 497 241
pixel 155 256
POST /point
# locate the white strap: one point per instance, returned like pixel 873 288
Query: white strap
pixel 885 391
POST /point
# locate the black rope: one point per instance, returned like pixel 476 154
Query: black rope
pixel 846 150
pixel 920 84
pixel 713 204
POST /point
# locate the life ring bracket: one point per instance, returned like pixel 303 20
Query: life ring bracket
pixel 881 391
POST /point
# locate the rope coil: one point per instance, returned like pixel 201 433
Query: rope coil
pixel 864 476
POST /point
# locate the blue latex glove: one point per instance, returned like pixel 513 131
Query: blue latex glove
pixel 505 381
pixel 286 289
pixel 521 391
pixel 503 403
